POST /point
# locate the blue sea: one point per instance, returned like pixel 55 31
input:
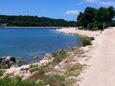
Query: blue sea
pixel 31 42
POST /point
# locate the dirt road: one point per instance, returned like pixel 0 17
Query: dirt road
pixel 101 71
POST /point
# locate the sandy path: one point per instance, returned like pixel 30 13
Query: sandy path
pixel 72 30
pixel 102 69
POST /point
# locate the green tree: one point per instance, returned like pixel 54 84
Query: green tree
pixel 93 18
pixel 87 17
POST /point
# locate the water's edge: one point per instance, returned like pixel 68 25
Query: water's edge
pixel 37 58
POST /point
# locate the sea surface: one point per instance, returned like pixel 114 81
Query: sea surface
pixel 26 43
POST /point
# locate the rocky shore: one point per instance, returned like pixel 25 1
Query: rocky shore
pixel 67 65
pixel 8 61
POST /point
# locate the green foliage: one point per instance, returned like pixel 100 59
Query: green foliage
pixel 87 17
pixel 39 72
pixel 1 72
pixel 34 68
pixel 75 70
pixel 93 18
pixel 55 80
pixel 91 38
pixel 90 26
pixel 17 81
pixel 59 56
pixel 113 23
pixel 34 21
pixel 86 41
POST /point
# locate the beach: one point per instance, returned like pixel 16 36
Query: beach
pixel 77 58
pixel 72 30
pixel 101 64
pixel 99 58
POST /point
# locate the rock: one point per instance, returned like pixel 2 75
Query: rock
pixel 60 50
pixel 44 62
pixel 47 56
pixel 19 63
pixel 72 48
pixel 10 58
pixel 1 60
pixel 36 57
pixel 7 62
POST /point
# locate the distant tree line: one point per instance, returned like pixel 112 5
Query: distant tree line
pixel 34 21
pixel 93 18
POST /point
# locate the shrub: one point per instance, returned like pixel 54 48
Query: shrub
pixel 90 26
pixel 59 56
pixel 33 68
pixel 38 73
pixel 1 72
pixel 86 41
pixel 17 81
pixel 75 69
pixel 92 38
pixel 54 80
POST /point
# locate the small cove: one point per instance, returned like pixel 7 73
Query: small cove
pixel 31 42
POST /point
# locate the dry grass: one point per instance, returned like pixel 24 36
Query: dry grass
pixel 74 70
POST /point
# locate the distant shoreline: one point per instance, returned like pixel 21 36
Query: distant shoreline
pixel 27 27
pixel 75 30
pixel 31 27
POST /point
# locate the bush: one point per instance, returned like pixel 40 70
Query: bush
pixel 1 72
pixel 86 41
pixel 17 81
pixel 39 72
pixel 100 26
pixel 54 80
pixel 74 70
pixel 59 56
pixel 33 68
pixel 92 38
pixel 90 26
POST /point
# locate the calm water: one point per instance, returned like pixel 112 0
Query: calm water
pixel 28 43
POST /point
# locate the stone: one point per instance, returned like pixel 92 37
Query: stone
pixel 7 62
pixel 10 58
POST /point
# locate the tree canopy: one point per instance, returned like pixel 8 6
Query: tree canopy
pixel 34 21
pixel 93 18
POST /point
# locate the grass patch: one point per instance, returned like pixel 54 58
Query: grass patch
pixel 17 81
pixel 54 80
pixel 58 56
pixel 74 70
pixel 50 79
pixel 39 72
pixel 1 72
pixel 34 68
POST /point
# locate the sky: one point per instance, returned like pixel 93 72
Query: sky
pixel 58 9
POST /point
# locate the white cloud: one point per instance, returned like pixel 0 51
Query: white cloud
pixel 80 3
pixel 101 2
pixel 91 1
pixel 72 12
pixel 107 3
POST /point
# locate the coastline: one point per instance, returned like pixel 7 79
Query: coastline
pixel 100 58
pixel 61 66
pixel 101 61
pixel 30 27
pixel 74 30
